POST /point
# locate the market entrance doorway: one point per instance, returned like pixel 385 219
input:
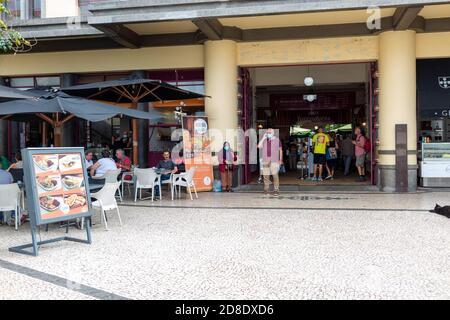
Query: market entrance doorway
pixel 339 99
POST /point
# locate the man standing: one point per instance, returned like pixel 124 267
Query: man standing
pixel 320 142
pixel 348 151
pixel 360 153
pixel 272 157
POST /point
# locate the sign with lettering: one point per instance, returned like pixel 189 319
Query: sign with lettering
pixel 433 84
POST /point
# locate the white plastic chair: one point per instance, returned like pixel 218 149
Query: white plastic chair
pixel 146 179
pixel 170 183
pixel 10 201
pixel 128 182
pixel 185 179
pixel 111 177
pixel 106 201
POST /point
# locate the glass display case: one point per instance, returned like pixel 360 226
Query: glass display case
pixel 435 165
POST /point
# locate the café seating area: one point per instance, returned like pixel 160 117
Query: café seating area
pixel 106 190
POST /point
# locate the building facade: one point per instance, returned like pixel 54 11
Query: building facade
pixel 243 46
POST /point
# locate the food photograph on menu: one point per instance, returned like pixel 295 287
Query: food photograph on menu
pixel 60 185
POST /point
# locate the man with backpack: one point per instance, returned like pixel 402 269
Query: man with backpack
pixel 360 154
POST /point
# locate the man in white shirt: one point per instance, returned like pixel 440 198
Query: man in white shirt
pixel 103 165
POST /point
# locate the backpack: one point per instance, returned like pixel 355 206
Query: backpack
pixel 367 146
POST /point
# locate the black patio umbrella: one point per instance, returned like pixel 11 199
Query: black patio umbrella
pixel 57 108
pixel 132 90
pixel 8 94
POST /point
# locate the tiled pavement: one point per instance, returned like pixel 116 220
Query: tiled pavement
pixel 245 246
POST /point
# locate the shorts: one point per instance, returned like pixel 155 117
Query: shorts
pixel 320 158
pixel 332 163
pixel 360 160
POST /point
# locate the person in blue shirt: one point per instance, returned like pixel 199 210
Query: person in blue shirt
pixel 169 166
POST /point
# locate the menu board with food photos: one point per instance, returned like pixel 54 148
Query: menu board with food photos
pixel 59 183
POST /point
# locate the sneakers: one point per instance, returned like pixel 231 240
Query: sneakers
pixel 276 193
pixel 314 179
pixel 319 180
pixel 329 178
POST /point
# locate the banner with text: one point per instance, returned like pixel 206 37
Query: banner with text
pixel 197 151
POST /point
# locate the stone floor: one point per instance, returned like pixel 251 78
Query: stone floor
pixel 245 246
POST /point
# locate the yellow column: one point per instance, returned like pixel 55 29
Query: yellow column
pixel 221 74
pixel 397 83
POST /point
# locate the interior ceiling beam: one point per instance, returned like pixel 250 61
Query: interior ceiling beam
pixel 211 28
pixel 120 34
pixel 404 17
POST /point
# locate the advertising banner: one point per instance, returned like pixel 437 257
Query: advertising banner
pixel 197 151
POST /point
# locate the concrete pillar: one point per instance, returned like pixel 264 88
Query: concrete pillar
pixel 397 99
pixel 221 74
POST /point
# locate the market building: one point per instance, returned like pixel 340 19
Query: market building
pixel 383 65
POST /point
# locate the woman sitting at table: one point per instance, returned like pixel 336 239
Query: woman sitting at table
pixel 103 165
pixel 18 164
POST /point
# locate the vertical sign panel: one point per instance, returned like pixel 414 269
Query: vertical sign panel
pixel 197 151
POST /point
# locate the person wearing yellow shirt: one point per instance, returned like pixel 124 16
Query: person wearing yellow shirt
pixel 320 142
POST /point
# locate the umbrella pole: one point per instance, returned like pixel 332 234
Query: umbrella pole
pixel 134 125
pixel 44 134
pixel 57 131
pixel 57 136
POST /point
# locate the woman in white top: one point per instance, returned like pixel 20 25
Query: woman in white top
pixel 103 165
pixel 18 164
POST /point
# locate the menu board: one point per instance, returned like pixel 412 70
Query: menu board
pixel 59 184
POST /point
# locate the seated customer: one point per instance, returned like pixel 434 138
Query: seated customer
pixel 89 155
pixel 123 162
pixel 103 165
pixel 5 178
pixel 4 163
pixel 18 164
pixel 168 165
pixel 179 163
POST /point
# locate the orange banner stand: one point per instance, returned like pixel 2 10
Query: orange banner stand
pixel 197 151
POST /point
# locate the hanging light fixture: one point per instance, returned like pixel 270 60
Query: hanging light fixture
pixel 309 81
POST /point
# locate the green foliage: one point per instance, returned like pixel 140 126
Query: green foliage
pixel 10 39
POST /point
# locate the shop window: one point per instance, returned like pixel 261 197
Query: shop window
pixel 48 81
pixel 25 9
pixel 31 82
pixel 22 82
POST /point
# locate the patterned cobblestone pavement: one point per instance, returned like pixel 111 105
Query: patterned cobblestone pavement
pixel 245 246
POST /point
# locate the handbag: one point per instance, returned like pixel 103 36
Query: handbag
pixel 331 154
pixel 282 169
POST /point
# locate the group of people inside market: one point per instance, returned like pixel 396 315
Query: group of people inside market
pixel 328 152
pixel 320 155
